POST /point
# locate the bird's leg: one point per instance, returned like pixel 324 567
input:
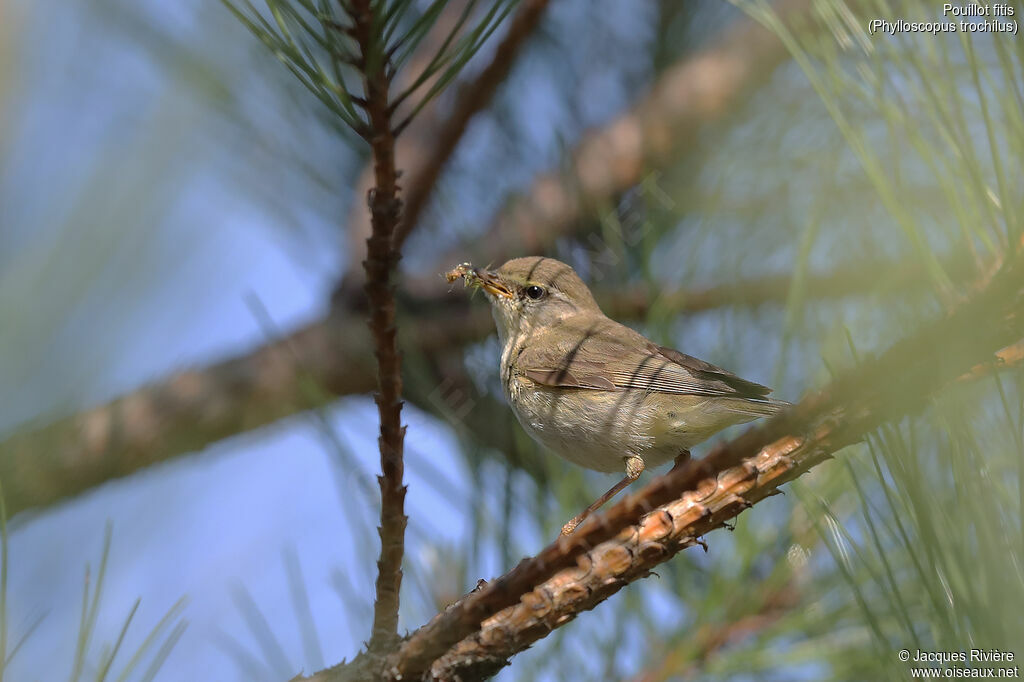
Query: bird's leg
pixel 634 467
pixel 681 459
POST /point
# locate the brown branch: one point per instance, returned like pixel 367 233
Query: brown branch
pixel 890 385
pixel 308 369
pixel 381 259
pixel 866 278
pixel 632 554
pixel 413 146
pixel 185 413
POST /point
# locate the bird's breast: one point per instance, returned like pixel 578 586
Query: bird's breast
pixel 594 429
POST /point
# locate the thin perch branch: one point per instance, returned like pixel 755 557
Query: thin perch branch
pixel 891 385
pixel 1011 356
pixel 629 556
pixel 381 259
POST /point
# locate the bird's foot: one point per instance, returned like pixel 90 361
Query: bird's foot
pixel 574 522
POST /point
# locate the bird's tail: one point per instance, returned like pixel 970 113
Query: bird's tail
pixel 761 407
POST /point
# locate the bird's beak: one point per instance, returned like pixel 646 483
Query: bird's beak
pixel 491 282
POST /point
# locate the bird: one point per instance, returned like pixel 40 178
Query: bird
pixel 594 391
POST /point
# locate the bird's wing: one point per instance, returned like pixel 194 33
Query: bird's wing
pixel 608 362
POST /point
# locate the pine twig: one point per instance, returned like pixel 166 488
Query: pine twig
pixel 1006 358
pixel 713 489
pixel 381 259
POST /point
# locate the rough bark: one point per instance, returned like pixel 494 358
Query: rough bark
pixel 380 263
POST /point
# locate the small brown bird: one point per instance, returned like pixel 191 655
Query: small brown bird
pixel 594 391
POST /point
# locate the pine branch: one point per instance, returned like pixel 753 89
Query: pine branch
pixel 611 565
pixel 413 147
pixel 381 259
pixel 610 550
pixel 308 369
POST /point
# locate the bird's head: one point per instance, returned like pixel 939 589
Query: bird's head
pixel 528 294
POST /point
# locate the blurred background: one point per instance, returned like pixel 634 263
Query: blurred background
pixel 780 198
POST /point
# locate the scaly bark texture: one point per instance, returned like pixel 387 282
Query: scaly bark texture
pixel 629 556
pixel 884 388
pixel 381 259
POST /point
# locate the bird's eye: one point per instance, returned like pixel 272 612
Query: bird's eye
pixel 535 292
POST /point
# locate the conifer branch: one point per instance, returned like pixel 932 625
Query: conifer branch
pixel 381 259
